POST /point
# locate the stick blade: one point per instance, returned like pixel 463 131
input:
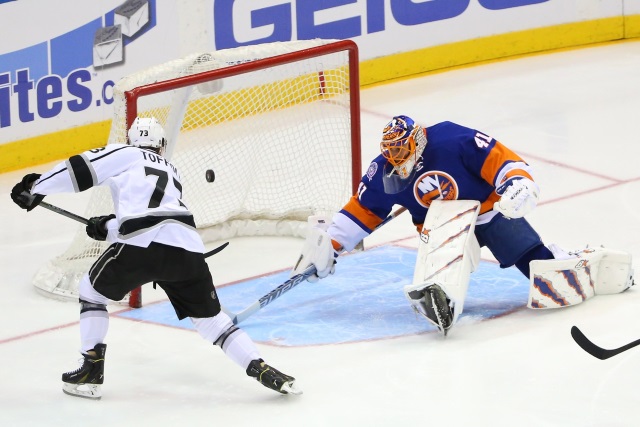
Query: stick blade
pixel 587 345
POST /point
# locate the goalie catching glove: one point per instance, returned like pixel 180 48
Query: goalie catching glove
pixel 319 252
pixel 21 193
pixel 519 196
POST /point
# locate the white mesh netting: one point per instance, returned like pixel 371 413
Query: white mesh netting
pixel 279 140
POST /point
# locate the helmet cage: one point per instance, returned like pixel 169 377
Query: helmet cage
pixel 402 144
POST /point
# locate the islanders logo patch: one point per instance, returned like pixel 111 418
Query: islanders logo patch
pixel 435 185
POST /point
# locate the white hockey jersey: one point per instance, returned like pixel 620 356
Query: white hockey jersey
pixel 146 192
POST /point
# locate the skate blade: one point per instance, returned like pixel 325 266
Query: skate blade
pixel 442 330
pixel 440 323
pixel 290 388
pixel 439 327
pixel 87 391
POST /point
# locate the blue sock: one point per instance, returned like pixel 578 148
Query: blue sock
pixel 539 252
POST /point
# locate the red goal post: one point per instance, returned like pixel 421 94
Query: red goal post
pixel 278 123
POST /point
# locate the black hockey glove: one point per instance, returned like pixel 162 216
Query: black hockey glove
pixel 21 193
pixel 97 227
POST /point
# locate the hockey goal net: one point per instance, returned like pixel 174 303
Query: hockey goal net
pixel 277 123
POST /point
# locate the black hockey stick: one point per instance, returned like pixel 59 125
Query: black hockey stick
pixel 216 250
pixel 64 213
pixel 594 350
pixel 86 222
pixel 289 284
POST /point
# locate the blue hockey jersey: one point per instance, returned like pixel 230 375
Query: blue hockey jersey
pixel 458 163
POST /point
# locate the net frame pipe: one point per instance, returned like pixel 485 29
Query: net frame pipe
pixel 132 96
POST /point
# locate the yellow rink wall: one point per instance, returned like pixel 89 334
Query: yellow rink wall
pixel 59 145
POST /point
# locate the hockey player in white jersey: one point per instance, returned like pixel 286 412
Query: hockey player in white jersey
pixel 153 239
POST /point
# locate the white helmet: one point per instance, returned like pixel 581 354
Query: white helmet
pixel 147 133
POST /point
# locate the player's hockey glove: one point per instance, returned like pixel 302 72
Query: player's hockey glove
pixel 519 196
pixel 21 193
pixel 317 251
pixel 97 227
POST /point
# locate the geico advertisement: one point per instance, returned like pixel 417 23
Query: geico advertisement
pixel 395 25
pixel 69 75
pixel 386 27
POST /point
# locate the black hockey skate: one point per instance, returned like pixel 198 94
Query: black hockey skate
pixel 436 306
pixel 438 309
pixel 86 380
pixel 272 378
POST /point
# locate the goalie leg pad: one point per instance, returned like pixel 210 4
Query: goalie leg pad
pixel 593 271
pixel 615 274
pixel 448 250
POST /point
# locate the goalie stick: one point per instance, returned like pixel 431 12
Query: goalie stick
pixel 289 284
pixel 594 350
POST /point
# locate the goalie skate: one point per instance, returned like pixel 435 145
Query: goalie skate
pixel 434 306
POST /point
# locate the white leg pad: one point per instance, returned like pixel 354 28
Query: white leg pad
pixel 593 271
pixel 448 251
pixel 615 274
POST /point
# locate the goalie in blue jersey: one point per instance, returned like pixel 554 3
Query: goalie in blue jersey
pixel 449 162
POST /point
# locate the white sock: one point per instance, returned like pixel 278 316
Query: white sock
pixel 93 329
pixel 94 320
pixel 241 349
pixel 235 343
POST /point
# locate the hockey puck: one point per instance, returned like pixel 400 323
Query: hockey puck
pixel 210 176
